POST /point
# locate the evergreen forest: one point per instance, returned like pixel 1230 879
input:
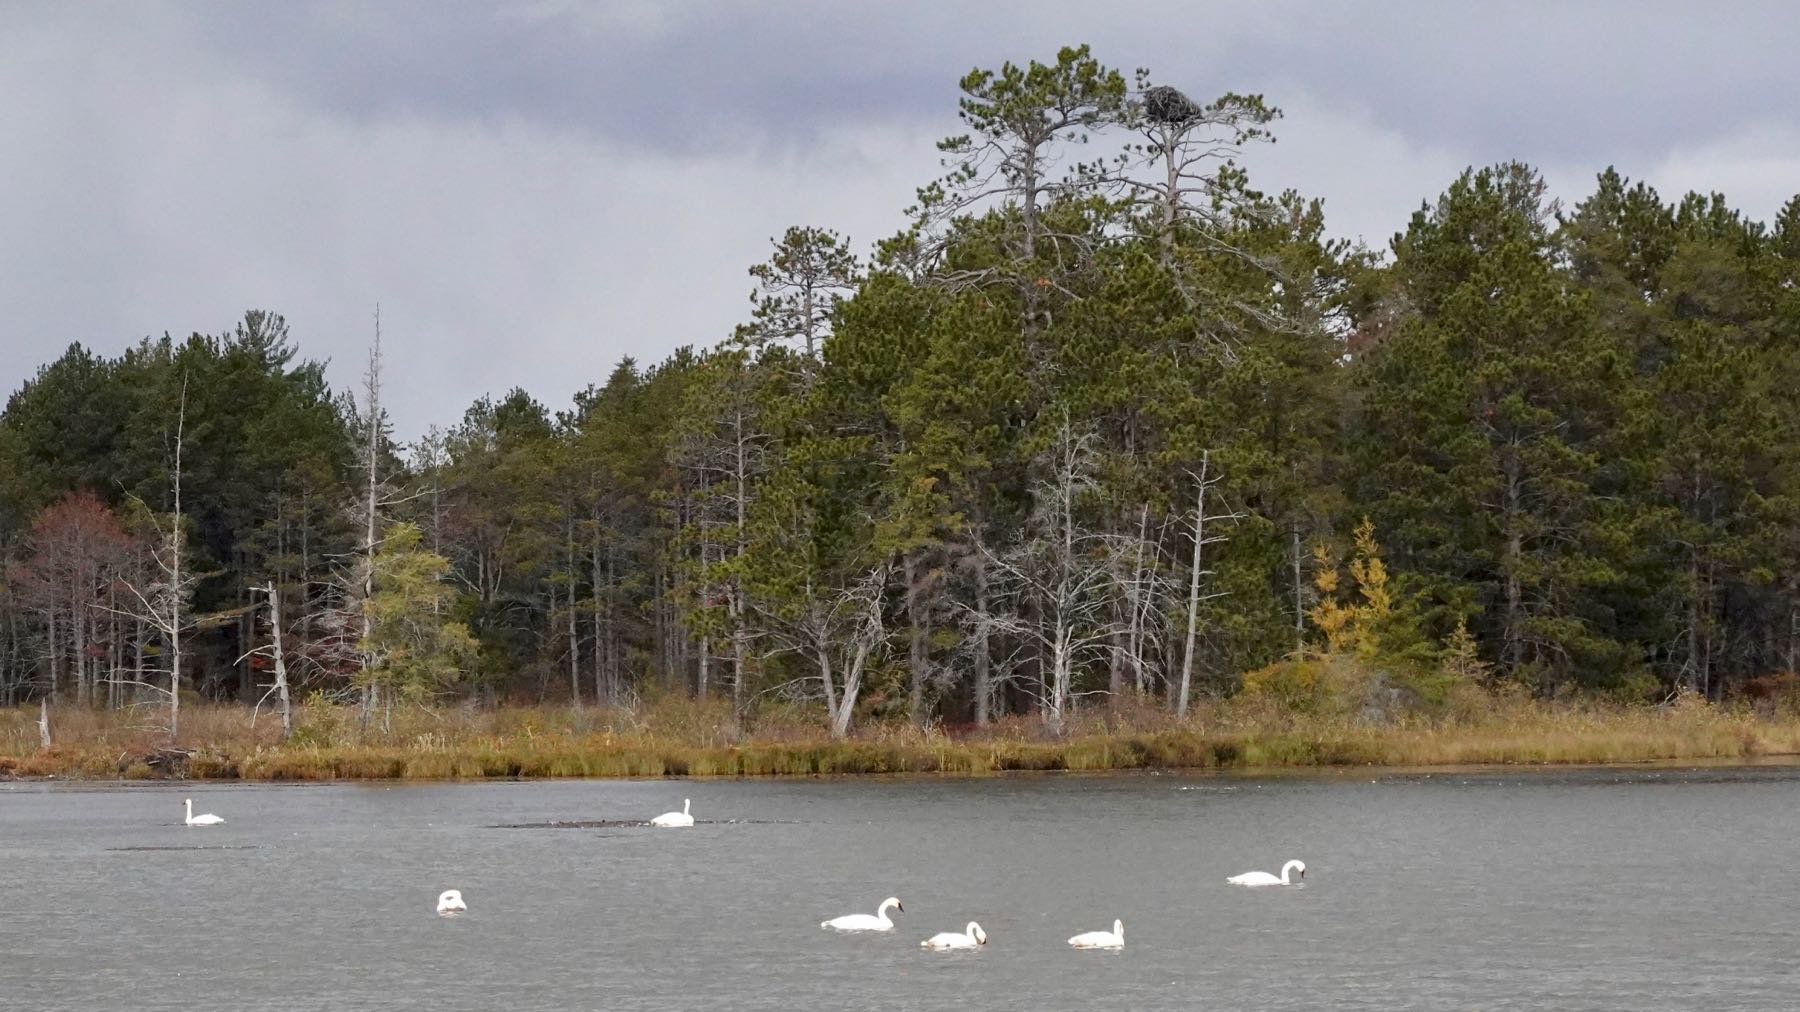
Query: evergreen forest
pixel 1105 422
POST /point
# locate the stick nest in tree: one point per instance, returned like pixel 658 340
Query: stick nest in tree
pixel 1167 105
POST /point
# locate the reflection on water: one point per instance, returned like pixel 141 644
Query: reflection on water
pixel 1602 889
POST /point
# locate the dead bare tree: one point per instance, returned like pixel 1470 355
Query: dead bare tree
pixel 356 578
pixel 371 500
pixel 1056 580
pixel 1143 589
pixel 1204 481
pixel 840 631
pixel 277 655
pixel 162 604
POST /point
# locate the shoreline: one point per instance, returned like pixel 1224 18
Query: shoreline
pixel 546 744
pixel 1779 761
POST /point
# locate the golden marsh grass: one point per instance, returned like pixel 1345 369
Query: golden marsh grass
pixel 680 738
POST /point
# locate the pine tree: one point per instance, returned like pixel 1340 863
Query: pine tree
pixel 1484 409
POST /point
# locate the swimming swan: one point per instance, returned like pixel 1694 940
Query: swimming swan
pixel 200 820
pixel 670 820
pixel 968 938
pixel 865 922
pixel 1114 939
pixel 1263 878
pixel 450 903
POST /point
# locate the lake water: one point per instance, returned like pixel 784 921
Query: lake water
pixel 1589 889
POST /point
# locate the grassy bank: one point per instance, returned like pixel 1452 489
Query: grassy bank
pixel 684 739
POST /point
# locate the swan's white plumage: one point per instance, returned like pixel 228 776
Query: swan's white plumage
pixel 968 938
pixel 450 901
pixel 1263 878
pixel 878 921
pixel 673 820
pixel 1114 939
pixel 200 820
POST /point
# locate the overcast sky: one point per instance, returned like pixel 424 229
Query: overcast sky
pixel 533 190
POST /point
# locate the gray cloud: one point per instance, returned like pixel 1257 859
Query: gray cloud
pixel 1541 79
pixel 532 191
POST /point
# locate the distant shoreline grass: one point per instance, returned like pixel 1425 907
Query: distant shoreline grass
pixel 697 740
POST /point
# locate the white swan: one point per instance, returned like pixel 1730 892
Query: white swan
pixel 1263 878
pixel 968 938
pixel 671 820
pixel 200 820
pixel 450 903
pixel 865 922
pixel 1114 939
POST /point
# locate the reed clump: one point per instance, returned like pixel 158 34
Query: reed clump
pixel 675 737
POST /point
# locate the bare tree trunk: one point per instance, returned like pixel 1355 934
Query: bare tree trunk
pixel 1139 604
pixel 984 688
pixel 602 690
pixel 840 722
pixel 1061 644
pixel 1193 610
pixel 43 722
pixel 1512 632
pixel 739 697
pixel 78 629
pixel 54 647
pixel 1058 691
pixel 697 514
pixel 574 631
pixel 371 464
pixel 1115 668
pixel 278 657
pixel 14 670
pixel 822 656
pixel 682 644
pixel 137 658
pixel 704 667
pixel 246 636
pixel 176 594
pixel 1695 672
pixel 918 645
pixel 115 652
pixel 1171 202
pixel 615 638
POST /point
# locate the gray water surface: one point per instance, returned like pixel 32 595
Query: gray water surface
pixel 1587 889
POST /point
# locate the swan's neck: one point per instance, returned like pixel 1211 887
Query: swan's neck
pixel 881 914
pixel 685 802
pixel 1284 873
pixel 190 809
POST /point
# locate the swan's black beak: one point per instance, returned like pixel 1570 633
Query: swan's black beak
pixel 1303 875
pixel 900 907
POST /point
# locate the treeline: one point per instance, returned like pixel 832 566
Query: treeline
pixel 1104 420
